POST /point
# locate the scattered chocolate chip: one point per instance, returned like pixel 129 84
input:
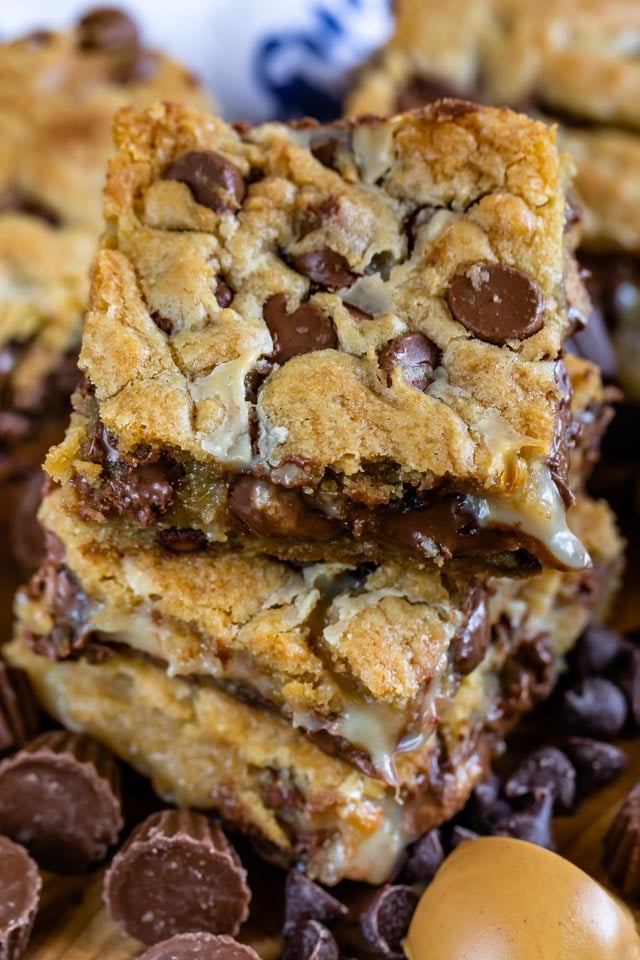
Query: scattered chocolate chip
pixel 549 768
pixel 386 920
pixel 106 28
pixel 487 807
pixel 19 713
pixel 310 941
pixel 183 540
pixel 596 763
pixel 177 873
pixel 417 357
pixel 496 303
pixel 627 676
pixel 324 267
pixel 162 323
pixel 459 834
pixel 622 847
pixel 223 294
pixel 304 330
pixel 595 707
pixel 214 181
pixel 270 511
pixel 199 946
pixel 532 823
pixel 472 639
pixel 306 900
pixel 421 89
pixel 20 887
pixel 424 859
pixel 598 649
pixel 60 798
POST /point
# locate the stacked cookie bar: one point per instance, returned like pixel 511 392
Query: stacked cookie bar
pixel 317 534
pixel 58 92
pixel 571 63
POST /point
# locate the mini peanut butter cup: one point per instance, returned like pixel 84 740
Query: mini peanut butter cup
pixel 60 798
pixel 19 713
pixel 20 886
pixel 199 946
pixel 177 873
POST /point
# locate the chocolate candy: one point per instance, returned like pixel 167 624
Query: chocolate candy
pixel 622 847
pixel 533 823
pixel 270 511
pixel 306 900
pixel 310 941
pixel 214 181
pixel 199 946
pixel 417 357
pixel 60 798
pixel 386 920
pixel 487 807
pixel 106 29
pixel 595 707
pixel 471 641
pixel 20 886
pixel 304 330
pixel 177 873
pixel 597 649
pixel 183 540
pixel 223 294
pixel 496 303
pixel 426 856
pixel 596 763
pixel 550 768
pixel 19 713
pixel 324 267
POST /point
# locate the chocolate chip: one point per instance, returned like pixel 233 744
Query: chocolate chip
pixel 459 834
pixel 596 762
pixel 496 303
pixel 134 65
pixel 306 900
pixel 162 323
pixel 357 313
pixel 60 798
pixel 417 357
pixel 565 435
pixel 316 215
pixel 386 920
pixel 421 89
pixel 107 29
pixel 424 859
pixel 15 201
pixel 419 218
pixel 472 639
pixel 487 807
pixel 326 151
pixel 550 768
pixel 627 676
pixel 270 511
pixel 19 713
pixel 199 946
pixel 183 540
pixel 594 343
pixel 325 267
pixel 595 707
pixel 310 941
pixel 20 887
pixel 532 823
pixel 223 294
pixel 214 181
pixel 622 847
pixel 598 649
pixel 177 873
pixel 305 329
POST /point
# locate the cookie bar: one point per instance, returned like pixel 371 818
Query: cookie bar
pixel 204 747
pixel 335 343
pixel 568 62
pixel 58 92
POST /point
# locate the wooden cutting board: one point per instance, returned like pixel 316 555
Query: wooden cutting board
pixel 73 924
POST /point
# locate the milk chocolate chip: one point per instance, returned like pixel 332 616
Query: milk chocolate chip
pixel 107 28
pixel 270 511
pixel 177 873
pixel 20 886
pixel 417 357
pixel 496 303
pixel 305 329
pixel 60 798
pixel 199 946
pixel 214 181
pixel 325 267
pixel 19 714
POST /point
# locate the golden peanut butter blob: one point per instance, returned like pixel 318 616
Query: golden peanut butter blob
pixel 500 899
